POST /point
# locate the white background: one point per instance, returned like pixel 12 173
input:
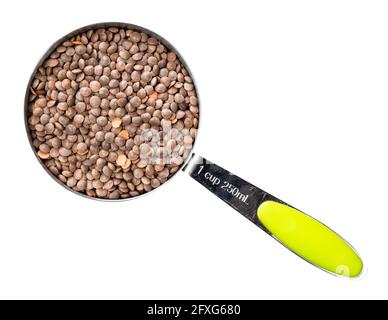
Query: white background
pixel 294 99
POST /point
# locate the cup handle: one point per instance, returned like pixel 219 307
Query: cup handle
pixel 297 231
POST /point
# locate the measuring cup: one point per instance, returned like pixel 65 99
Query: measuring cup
pixel 302 234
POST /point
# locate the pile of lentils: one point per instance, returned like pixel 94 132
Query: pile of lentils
pixel 113 113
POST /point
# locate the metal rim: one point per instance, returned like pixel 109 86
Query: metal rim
pixel 96 26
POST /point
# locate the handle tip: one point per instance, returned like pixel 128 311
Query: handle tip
pixel 310 239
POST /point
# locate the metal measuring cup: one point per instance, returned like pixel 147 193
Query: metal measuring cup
pixel 297 231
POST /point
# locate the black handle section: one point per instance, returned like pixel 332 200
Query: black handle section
pixel 236 192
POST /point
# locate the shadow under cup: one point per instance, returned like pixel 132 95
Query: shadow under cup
pixel 158 147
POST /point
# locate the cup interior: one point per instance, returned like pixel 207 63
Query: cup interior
pixel 49 52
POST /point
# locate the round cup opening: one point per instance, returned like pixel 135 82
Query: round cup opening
pixel 112 111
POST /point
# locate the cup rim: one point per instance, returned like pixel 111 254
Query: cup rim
pixel 68 36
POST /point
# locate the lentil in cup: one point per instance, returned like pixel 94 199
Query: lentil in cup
pixel 112 111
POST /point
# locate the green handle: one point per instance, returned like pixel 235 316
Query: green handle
pixel 310 239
